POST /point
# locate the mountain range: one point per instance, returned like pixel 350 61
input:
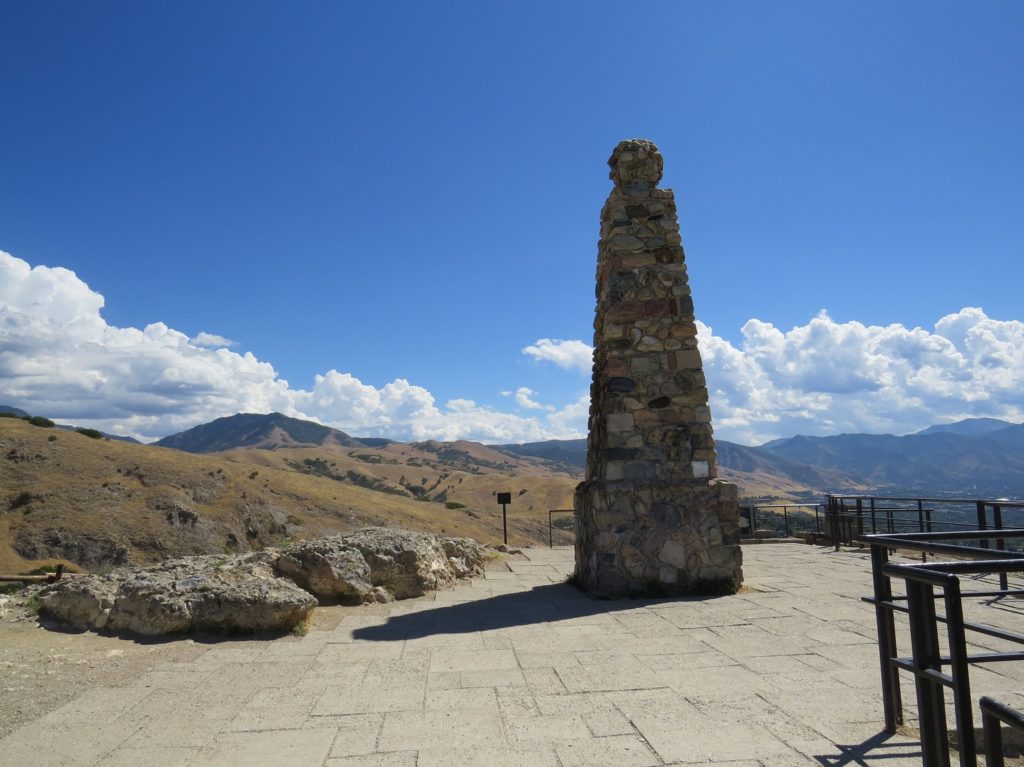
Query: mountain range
pixel 979 456
pixel 250 480
pixel 251 430
pixel 758 472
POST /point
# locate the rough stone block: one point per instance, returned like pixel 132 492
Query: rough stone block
pixel 620 422
pixel 674 553
pixel 688 359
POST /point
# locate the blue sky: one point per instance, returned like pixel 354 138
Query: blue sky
pixel 410 192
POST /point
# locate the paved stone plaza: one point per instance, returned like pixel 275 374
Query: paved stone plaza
pixel 518 668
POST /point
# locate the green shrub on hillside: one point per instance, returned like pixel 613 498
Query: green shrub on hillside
pixel 38 420
pixel 23 498
pixel 91 433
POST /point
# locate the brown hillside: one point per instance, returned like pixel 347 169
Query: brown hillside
pixel 466 475
pixel 763 484
pixel 100 502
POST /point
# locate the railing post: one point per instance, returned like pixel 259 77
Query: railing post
pixel 997 520
pixel 834 510
pixel 959 671
pixel 874 527
pixel 982 522
pixel 993 715
pixel 885 624
pixel 993 736
pixel 785 517
pixel 925 645
pixel 920 525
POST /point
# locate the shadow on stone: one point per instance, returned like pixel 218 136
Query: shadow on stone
pixel 876 750
pixel 225 636
pixel 542 604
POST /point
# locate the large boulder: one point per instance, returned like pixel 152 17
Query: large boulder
pixel 409 564
pixel 329 569
pixel 379 564
pixel 211 593
pixel 272 590
pixel 465 556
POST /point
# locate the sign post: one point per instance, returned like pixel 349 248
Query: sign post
pixel 504 499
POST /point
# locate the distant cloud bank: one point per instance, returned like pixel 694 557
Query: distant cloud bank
pixel 60 358
pixel 212 341
pixel 571 355
pixel 827 377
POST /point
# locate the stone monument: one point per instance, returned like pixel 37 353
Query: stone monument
pixel 652 519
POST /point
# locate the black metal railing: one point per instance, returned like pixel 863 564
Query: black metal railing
pixel 927 662
pixel 551 525
pixel 848 516
pixel 992 714
pixel 800 522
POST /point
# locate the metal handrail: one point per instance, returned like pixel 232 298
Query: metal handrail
pixel 927 661
pixel 551 528
pixel 846 512
pixel 907 499
pixel 992 713
pixel 752 509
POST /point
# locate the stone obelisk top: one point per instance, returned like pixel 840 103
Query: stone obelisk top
pixel 636 167
pixel 651 517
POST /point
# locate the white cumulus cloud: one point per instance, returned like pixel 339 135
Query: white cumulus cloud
pixel 60 358
pixel 523 395
pixel 571 355
pixel 827 377
pixel 212 340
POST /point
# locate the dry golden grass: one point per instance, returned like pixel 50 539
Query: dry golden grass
pixel 66 497
pixel 761 484
pixel 103 500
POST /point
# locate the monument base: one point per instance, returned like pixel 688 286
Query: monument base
pixel 646 539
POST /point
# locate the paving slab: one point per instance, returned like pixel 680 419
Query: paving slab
pixel 271 748
pixel 519 668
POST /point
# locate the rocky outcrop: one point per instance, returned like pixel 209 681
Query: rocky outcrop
pixel 272 590
pixel 329 569
pixel 84 549
pixel 239 593
pixel 410 564
pixel 380 564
